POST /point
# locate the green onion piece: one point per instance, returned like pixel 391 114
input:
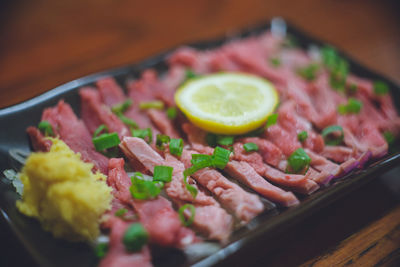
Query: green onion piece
pixel 329 56
pixel 135 237
pixel 106 141
pixel 100 129
pixel 308 72
pixel 271 120
pixel 101 250
pixel 143 133
pixel 339 74
pixel 142 189
pixel 354 106
pixel 203 159
pixel 46 128
pixel 380 88
pixel 302 136
pixel 122 107
pixel 250 147
pixel 276 62
pixel 151 104
pixel 182 215
pixel 211 139
pixel 161 140
pixel 162 173
pixel 190 74
pixel 328 135
pixel 171 113
pixel 224 140
pixel 120 212
pixel 176 146
pixel 127 121
pixel 389 137
pixel 192 190
pixel 299 160
pixel 220 157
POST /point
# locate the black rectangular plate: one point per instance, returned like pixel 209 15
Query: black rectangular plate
pixel 48 251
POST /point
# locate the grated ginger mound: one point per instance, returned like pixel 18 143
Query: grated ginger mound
pixel 61 191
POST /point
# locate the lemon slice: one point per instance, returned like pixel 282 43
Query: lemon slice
pixel 227 103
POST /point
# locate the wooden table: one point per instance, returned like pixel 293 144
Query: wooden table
pixel 47 43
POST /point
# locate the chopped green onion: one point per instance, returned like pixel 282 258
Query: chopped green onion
pixel 143 133
pixel 329 137
pixel 339 75
pixel 135 237
pixel 299 160
pixel 271 120
pixel 338 67
pixel 225 140
pixel 106 141
pixel 46 128
pixel 162 173
pixel 101 250
pixel 161 140
pixel 143 189
pixel 302 136
pixel 308 72
pixel 151 104
pixel 190 74
pixel 201 159
pixel 171 113
pixel 250 147
pixel 220 157
pixel 353 107
pixel 329 56
pixel 120 212
pixel 276 62
pixel 176 146
pixel 122 107
pixel 100 129
pixel 182 215
pixel 211 139
pixel 389 137
pixel 127 121
pixel 380 88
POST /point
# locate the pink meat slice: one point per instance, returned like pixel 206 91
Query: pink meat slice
pixel 244 205
pixel 298 183
pixel 156 215
pixel 338 154
pixel 94 113
pixel 74 133
pixel 210 219
pixel 283 139
pixel 110 92
pixel 243 172
pixel 175 76
pixel 117 256
pixel 268 150
pixel 270 153
pixel 38 140
pixel 294 124
pixel 163 123
pixel 323 165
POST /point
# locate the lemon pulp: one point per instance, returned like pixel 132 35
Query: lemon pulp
pixel 227 103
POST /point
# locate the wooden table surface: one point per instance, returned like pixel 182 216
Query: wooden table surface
pixel 47 43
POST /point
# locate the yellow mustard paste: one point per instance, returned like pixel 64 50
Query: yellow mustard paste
pixel 61 191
